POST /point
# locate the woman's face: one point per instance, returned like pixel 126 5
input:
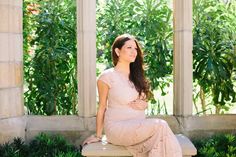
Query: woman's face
pixel 128 52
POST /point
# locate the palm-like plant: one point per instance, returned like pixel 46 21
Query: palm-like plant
pixel 213 51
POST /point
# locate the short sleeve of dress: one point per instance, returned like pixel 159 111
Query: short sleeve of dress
pixel 105 77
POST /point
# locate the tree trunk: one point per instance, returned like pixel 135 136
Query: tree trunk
pixel 195 105
pixel 218 109
pixel 203 101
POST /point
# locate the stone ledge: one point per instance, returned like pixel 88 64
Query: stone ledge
pixel 105 149
pixel 209 122
pixel 193 127
pixel 72 127
pixel 188 149
pixel 55 123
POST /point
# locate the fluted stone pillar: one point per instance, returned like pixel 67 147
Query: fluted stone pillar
pixel 11 70
pixel 86 54
pixel 183 57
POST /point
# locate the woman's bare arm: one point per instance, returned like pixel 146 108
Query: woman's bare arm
pixel 103 89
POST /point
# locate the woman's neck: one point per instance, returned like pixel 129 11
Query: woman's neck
pixel 123 68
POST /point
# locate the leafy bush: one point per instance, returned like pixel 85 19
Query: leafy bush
pixel 222 145
pixel 15 149
pixel 214 59
pixel 42 146
pixel 50 57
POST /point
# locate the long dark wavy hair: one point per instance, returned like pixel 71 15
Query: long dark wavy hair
pixel 136 68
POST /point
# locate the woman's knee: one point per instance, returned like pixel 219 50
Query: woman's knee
pixel 159 123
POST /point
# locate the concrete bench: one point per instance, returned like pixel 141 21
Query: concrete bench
pixel 104 149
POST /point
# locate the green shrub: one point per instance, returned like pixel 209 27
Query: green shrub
pixel 42 146
pixel 214 56
pixel 222 145
pixel 15 149
pixel 50 57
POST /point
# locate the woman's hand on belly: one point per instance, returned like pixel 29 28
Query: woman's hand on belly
pixel 138 104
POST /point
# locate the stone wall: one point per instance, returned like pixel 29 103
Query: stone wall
pixel 76 129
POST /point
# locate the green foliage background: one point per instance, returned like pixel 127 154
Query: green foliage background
pixel 50 49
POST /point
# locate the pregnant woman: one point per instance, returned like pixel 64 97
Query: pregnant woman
pixel 123 95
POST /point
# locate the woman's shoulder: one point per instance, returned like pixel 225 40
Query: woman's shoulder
pixel 106 76
pixel 109 71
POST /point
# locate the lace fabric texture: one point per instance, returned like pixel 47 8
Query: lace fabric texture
pixel 130 128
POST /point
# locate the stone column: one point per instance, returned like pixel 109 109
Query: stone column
pixel 86 54
pixel 11 59
pixel 11 70
pixel 183 57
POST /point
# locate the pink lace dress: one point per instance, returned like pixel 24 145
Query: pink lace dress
pixel 130 128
